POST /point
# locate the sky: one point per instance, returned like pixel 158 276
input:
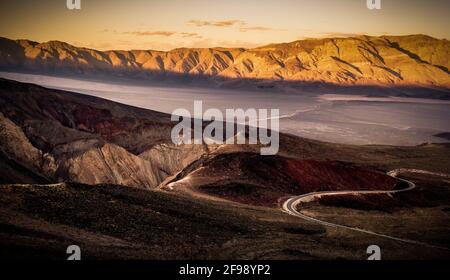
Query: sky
pixel 169 24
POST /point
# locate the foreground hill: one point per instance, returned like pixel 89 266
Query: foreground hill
pixel 415 60
pixel 116 222
pixel 62 136
pixel 76 169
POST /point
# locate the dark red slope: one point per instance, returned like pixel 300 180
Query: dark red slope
pixel 259 180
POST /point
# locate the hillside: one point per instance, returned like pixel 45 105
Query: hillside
pixel 77 169
pixel 415 60
pixel 52 136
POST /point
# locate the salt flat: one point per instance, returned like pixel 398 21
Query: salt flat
pixel 351 119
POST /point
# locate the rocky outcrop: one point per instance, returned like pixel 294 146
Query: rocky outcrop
pixel 110 164
pixel 16 146
pixel 171 159
pixel 62 136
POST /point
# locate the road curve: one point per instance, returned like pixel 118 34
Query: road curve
pixel 290 205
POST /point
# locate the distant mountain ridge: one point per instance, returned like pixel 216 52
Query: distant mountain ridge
pixel 416 60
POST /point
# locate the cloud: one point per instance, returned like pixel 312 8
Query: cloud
pixel 254 28
pixel 243 26
pixel 151 33
pixel 190 35
pixel 221 23
pixel 193 35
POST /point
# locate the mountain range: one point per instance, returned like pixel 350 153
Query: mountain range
pixel 414 60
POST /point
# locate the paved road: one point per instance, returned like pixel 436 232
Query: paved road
pixel 290 206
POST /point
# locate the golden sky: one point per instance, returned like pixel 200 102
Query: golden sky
pixel 168 24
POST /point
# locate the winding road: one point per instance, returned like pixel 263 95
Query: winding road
pixel 290 206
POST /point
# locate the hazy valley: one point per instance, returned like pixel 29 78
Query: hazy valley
pixel 348 117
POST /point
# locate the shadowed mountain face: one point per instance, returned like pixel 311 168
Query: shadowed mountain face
pixel 415 60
